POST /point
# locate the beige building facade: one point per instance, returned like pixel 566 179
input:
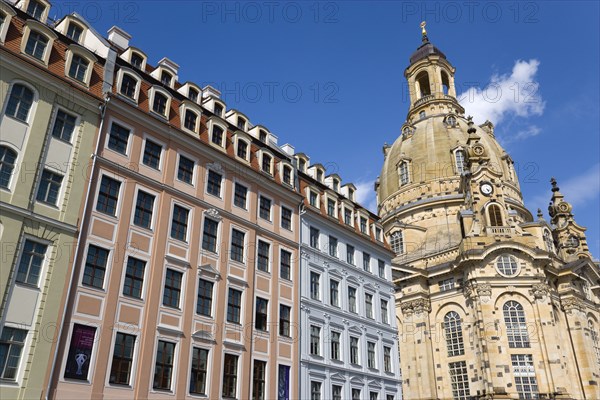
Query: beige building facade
pixel 491 302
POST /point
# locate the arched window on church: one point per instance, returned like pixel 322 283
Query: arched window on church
pixel 595 340
pixel 445 82
pixel 495 215
pixel 397 242
pixel 516 325
pixel 548 241
pixel 459 156
pixel 423 84
pixel 403 171
pixel 454 336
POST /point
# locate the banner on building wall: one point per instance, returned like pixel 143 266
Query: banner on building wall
pixel 284 383
pixel 80 351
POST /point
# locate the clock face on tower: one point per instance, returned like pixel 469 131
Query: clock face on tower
pixel 486 188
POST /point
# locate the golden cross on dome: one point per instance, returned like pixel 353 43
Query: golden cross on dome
pixel 423 31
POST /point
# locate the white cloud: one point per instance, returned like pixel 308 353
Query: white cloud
pixel 530 131
pixel 578 190
pixel 506 95
pixel 365 195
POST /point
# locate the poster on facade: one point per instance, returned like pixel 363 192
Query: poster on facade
pixel 80 351
pixel 284 383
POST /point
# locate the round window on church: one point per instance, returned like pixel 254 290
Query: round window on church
pixel 507 266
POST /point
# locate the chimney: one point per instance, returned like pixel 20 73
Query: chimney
pixel 119 37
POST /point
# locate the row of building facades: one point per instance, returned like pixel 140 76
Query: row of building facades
pixel 156 244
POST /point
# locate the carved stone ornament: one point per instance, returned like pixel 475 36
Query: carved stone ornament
pixel 570 304
pixel 215 166
pixel 416 306
pixel 478 149
pixel 481 290
pixel 539 291
pixel 213 213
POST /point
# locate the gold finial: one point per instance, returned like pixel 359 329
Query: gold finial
pixel 423 31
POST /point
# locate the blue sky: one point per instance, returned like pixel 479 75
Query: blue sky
pixel 327 77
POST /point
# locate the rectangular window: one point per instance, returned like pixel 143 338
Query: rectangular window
pixel 286 218
pixel 262 261
pixel 314 238
pixel 387 359
pixel 108 196
pixel 118 138
pixel 144 206
pixel 35 9
pixel 460 380
pixel 36 45
pixel 230 367
pixel 335 345
pixel 265 208
pixel 30 265
pixel 285 265
pixel 313 199
pixel 524 373
pixel 95 267
pixel 134 278
pixel 172 291
pixel 354 350
pixel 160 104
pixel 287 175
pixel 120 371
pixel 369 305
pixel 218 109
pixel 347 216
pixel 364 225
pixel 334 292
pixel 204 301
pixel 49 188
pixel 331 208
pixel 242 149
pixel 285 313
pixel 236 252
pixel 82 343
pixel 283 383
pixel 64 126
pixel 366 261
pixel 381 267
pixel 209 235
pixel 371 355
pixel 12 341
pixel 350 254
pixel 261 312
pixel 179 223
pixel 152 153
pixel 333 246
pixel 240 195
pixel 234 306
pixel 356 394
pixel 198 371
pixel 336 392
pixel 163 367
pixel 185 170
pixel 315 391
pixel 446 284
pixel 266 163
pixel 78 68
pixel 373 395
pixel 258 380
pixel 352 299
pixel 314 285
pixel 389 397
pixel 315 340
pixel 74 32
pixel 190 119
pixel 384 311
pixel 213 184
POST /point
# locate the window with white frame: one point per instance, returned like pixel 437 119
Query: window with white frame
pixel 524 374
pixel 230 372
pixel 144 208
pixel 213 183
pixel 95 267
pixel 595 340
pixel 264 208
pixel 19 102
pixel 387 359
pixel 122 359
pixel 371 355
pixel 315 282
pixel 354 359
pixel 32 259
pixel 236 251
pixel 364 225
pixel 267 163
pixel 403 173
pixel 315 340
pixel 350 254
pixel 459 379
pixel 64 125
pixel 49 188
pixel 313 198
pixel 118 138
pixel 137 60
pixel 74 31
pixel 242 149
pixel 8 158
pixel 261 314
pixel 185 169
pixel 285 317
pixel 315 390
pixel 454 335
pixel 209 235
pixel 459 158
pixel 190 120
pixel 217 135
pixel 516 325
pixel 36 46
pixel 446 284
pixel 336 392
pixel 507 265
pixel 172 288
pixel 286 218
pixel 36 9
pixel 259 380
pixel 179 223
pixel 397 242
pixel 166 78
pixel 12 342
pixel 384 311
pixel 348 216
pixel 193 94
pixel 134 278
pixel 335 345
pixel 263 256
pixel 285 265
pixel 314 238
pixel 369 305
pixel 333 246
pixel 199 371
pixel 366 261
pixel 352 299
pixel 78 68
pixel 108 196
pixel 287 174
pixel 334 293
pixel 381 268
pixel 160 103
pixel 152 153
pixel 331 207
pixel 163 366
pixel 218 109
pixel 240 195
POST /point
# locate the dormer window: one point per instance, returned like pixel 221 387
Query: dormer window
pixel 262 136
pixel 287 174
pixel 128 86
pixel 217 135
pixel 190 120
pixel 403 172
pixel 193 94
pixel 313 199
pixel 78 69
pixel 137 60
pixel 36 45
pixel 336 185
pixel 331 207
pixel 160 103
pixel 266 163
pixel 166 78
pixel 364 225
pixel 35 9
pixel 242 149
pixel 351 194
pixel 241 123
pixel 301 165
pixel 74 31
pixel 218 109
pixel 347 216
pixel 319 175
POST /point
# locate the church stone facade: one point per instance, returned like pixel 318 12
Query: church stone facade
pixel 491 302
